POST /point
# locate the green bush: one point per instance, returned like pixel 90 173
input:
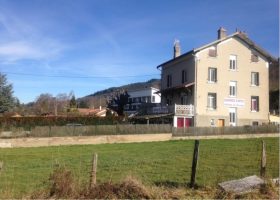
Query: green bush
pixel 29 122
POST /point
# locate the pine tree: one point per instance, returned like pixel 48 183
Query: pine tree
pixel 7 101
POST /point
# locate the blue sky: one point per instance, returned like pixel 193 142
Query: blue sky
pixel 58 46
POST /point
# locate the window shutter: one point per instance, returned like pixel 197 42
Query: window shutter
pixel 215 75
pixel 257 78
pixel 215 101
pixel 258 108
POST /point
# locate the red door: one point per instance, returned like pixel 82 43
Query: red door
pixel 188 122
pixel 180 122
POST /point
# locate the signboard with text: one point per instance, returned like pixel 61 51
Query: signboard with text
pixel 233 102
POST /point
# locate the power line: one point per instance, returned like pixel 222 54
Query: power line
pixel 81 77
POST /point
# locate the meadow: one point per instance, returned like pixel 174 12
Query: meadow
pixel 154 163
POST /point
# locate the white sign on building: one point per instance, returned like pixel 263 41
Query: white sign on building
pixel 233 102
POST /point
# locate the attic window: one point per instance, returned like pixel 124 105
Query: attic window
pixel 212 52
pixel 254 58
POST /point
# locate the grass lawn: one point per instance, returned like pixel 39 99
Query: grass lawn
pixel 158 163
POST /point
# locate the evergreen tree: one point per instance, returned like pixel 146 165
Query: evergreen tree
pixel 73 102
pixel 7 101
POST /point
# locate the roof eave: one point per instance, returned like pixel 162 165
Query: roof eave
pixel 175 59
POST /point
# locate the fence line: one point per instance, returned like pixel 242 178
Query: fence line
pixel 125 129
pixel 227 130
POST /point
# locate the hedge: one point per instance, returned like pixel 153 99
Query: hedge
pixel 28 122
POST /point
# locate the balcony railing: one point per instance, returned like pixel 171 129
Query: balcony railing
pixel 185 110
pixel 180 110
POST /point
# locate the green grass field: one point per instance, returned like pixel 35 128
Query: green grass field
pixel 156 163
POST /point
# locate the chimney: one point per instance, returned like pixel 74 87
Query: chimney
pixel 222 33
pixel 177 48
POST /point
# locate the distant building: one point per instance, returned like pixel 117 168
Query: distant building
pixel 92 112
pixel 223 83
pixel 142 96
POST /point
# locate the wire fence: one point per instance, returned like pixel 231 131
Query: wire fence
pixel 27 170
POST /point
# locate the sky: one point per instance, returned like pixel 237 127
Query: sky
pixel 59 46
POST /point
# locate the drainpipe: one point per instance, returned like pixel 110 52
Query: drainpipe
pixel 195 90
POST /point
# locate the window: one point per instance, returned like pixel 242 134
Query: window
pixel 212 53
pixel 255 123
pixel 169 81
pixel 254 58
pixel 168 101
pixel 153 99
pixel 184 100
pixel 232 88
pixel 184 76
pixel 232 116
pixel 255 78
pixel 212 100
pixel 254 103
pixel 212 75
pixel 212 122
pixel 232 62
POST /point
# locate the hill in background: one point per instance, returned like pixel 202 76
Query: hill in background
pixel 99 98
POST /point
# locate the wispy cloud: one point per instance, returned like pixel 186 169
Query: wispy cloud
pixel 20 40
pixel 19 50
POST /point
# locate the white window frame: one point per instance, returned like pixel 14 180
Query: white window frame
pixel 232 116
pixel 255 79
pixel 212 101
pixel 233 88
pixel 233 62
pixel 212 75
pixel 257 103
pixel 153 99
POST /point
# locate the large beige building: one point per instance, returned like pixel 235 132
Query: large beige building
pixel 226 81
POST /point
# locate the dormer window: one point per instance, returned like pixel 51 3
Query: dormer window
pixel 254 58
pixel 212 52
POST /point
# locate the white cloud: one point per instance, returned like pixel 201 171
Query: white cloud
pixel 21 39
pixel 18 50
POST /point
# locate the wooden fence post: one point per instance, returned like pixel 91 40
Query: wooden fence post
pixel 194 163
pixel 263 160
pixel 93 171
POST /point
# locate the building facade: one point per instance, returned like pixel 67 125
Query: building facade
pixel 142 96
pixel 227 82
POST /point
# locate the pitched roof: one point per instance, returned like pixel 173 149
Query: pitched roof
pixel 239 34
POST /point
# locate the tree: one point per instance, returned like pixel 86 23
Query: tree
pixel 44 104
pixel 7 101
pixel 83 104
pixel 73 103
pixel 117 101
pixel 61 103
